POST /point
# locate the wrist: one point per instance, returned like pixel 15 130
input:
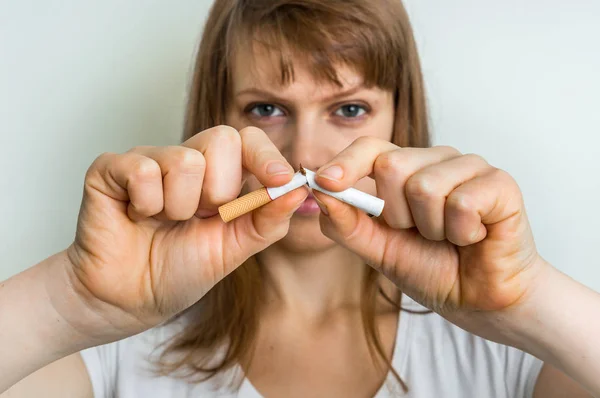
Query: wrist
pixel 557 324
pixel 32 332
pixel 528 325
pixel 91 320
pixel 66 314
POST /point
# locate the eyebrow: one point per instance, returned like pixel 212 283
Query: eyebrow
pixel 255 90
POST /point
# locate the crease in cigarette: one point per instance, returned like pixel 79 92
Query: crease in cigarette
pixel 260 197
pixel 368 203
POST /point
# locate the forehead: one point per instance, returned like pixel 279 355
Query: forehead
pixel 261 69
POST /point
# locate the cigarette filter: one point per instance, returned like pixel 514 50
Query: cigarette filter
pixel 258 198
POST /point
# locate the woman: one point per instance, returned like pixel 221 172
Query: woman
pixel 281 302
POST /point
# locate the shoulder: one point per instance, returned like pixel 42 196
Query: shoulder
pixel 129 367
pixel 459 360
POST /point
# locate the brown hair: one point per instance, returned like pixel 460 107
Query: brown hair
pixel 372 36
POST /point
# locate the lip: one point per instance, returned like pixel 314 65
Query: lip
pixel 309 207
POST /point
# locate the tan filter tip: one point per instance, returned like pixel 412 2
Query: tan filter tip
pixel 244 204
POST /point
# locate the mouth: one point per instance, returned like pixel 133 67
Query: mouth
pixel 309 207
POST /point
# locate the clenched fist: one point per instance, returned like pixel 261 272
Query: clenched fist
pixel 148 243
pixel 453 234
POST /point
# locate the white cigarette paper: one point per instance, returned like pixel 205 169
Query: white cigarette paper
pixel 368 203
pixel 242 205
pixel 298 180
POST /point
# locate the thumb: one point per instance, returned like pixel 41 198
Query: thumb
pixel 379 245
pixel 257 230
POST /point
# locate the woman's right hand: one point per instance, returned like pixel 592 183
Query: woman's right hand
pixel 149 243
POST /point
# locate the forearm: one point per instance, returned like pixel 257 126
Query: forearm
pixel 561 325
pixel 33 332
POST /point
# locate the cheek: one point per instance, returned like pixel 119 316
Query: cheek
pixel 232 119
pixel 383 126
pixel 278 135
pixel 276 132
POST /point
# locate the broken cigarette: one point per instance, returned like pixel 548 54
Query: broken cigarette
pixel 253 200
pixel 368 203
pixel 260 197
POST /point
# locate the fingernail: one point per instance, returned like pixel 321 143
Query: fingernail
pixel 277 168
pixel 322 206
pixel 333 173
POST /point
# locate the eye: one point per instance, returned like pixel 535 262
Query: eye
pixel 265 110
pixel 351 111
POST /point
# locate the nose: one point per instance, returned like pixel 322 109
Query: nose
pixel 310 143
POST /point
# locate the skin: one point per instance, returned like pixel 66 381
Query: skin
pixel 311 283
pixel 454 236
pixel 437 202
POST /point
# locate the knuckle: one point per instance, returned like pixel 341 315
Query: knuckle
pixel 187 159
pixel 225 133
pixel 391 163
pixel 420 186
pixel 446 149
pixel 101 167
pixel 501 175
pixel 250 130
pixel 147 207
pixel 144 168
pixel 140 149
pixel 103 158
pixel 222 129
pixel 256 146
pixel 474 158
pixel 460 202
pixel 365 140
pixel 506 180
pixel 100 161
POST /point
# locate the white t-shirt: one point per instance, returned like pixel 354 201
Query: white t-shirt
pixel 433 357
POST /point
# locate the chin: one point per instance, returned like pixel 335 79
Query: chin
pixel 305 236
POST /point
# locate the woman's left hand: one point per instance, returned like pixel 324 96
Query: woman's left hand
pixel 453 234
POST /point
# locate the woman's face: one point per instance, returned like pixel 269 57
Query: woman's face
pixel 310 122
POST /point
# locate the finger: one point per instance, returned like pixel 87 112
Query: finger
pixel 131 178
pixel 478 206
pixel 427 190
pixel 222 150
pixel 404 256
pixel 393 169
pixel 262 158
pixel 352 164
pixel 255 231
pixel 378 244
pixel 182 171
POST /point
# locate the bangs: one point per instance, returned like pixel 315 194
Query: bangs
pixel 321 36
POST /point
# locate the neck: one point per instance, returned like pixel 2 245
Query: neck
pixel 312 284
